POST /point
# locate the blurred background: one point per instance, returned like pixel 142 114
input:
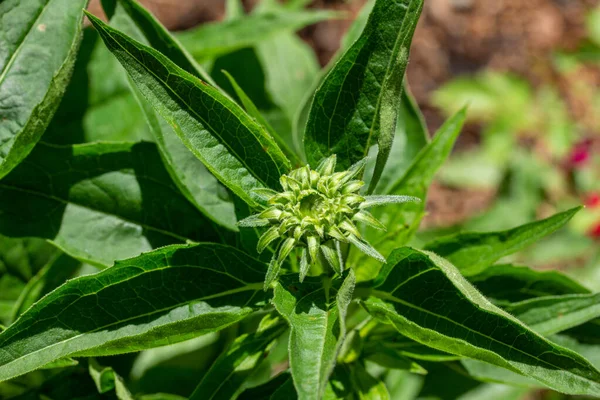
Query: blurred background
pixel 530 72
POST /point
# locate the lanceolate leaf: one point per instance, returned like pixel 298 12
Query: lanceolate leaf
pixel 316 312
pixel 187 171
pixel 38 45
pixel 99 202
pixel 553 314
pixel 427 300
pixel 345 115
pixel 472 252
pixel 234 147
pixel 229 372
pixel 211 40
pixel 169 295
pixel 509 283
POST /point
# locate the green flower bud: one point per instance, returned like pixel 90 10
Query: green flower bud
pixel 316 211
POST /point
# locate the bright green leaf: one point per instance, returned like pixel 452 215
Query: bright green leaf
pixel 450 315
pixel 162 297
pixel 316 311
pixel 472 252
pixel 38 45
pixel 234 147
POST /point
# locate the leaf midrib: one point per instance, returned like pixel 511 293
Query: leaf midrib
pixel 191 110
pixel 388 296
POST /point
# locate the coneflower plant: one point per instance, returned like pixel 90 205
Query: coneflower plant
pixel 267 217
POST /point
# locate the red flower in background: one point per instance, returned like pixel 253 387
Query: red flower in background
pixel 592 200
pixel 580 153
pixel 594 232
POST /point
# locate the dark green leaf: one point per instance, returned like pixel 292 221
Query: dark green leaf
pixel 316 311
pixel 229 372
pixel 282 383
pixel 472 252
pixel 234 147
pixel 38 45
pixel 450 315
pixel 397 343
pixel 99 202
pixel 211 40
pixel 345 115
pixel 510 283
pixel 58 269
pixel 162 297
pixel 392 359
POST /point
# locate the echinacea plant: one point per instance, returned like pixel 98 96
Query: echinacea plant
pixel 218 230
pixel 317 212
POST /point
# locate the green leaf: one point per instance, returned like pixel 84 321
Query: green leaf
pixel 553 314
pixel 472 252
pixel 392 359
pixel 403 221
pixel 281 384
pixel 38 42
pixel 61 363
pixel 234 147
pixel 97 105
pixel 159 38
pixel 251 109
pixel 229 372
pixel 452 316
pixel 106 379
pixel 191 176
pixel 510 283
pixel 495 392
pixel 99 202
pixel 316 312
pixel 366 386
pixel 214 39
pixel 411 136
pixel 345 115
pixel 162 297
pixel 396 343
pixel 290 67
pixel 58 269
